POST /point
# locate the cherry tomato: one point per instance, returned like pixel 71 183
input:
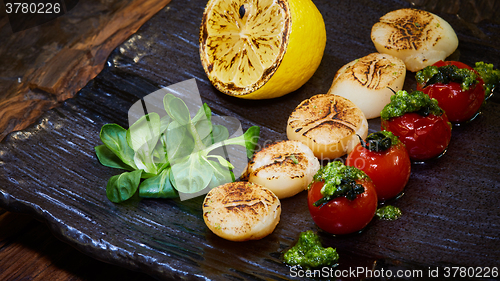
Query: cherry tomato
pixel 341 215
pixel 425 137
pixel 388 169
pixel 459 105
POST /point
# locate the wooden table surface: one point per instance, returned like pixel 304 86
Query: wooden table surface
pixel 29 251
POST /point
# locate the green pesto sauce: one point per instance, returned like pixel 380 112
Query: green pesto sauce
pixel 309 253
pixel 403 102
pixel 388 212
pixel 490 76
pixel 446 74
pixel 334 174
pixel 380 141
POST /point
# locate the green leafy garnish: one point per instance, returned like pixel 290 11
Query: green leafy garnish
pixel 109 159
pixel 114 138
pixel 158 186
pixel 403 102
pixel 170 154
pixel 122 187
pixel 142 138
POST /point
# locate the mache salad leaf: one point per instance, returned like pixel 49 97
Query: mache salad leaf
pixel 165 155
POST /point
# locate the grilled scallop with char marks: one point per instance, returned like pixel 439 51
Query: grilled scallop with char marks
pixel 285 167
pixel 417 37
pixel 369 82
pixel 241 211
pixel 328 124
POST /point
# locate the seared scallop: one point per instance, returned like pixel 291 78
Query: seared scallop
pixel 286 168
pixel 369 82
pixel 328 124
pixel 417 37
pixel 240 211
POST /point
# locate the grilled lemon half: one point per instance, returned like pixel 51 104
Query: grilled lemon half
pixel 261 49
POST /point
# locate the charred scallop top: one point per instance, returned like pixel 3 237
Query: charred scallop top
pixel 326 118
pixel 375 71
pixel 239 205
pixel 410 29
pixel 281 158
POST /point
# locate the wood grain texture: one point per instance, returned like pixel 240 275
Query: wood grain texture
pixel 49 170
pixel 29 251
pixel 47 64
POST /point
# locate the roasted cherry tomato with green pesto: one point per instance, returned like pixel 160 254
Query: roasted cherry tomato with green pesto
pixel 457 87
pixel 419 123
pixel 341 199
pixel 425 137
pixel 385 159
